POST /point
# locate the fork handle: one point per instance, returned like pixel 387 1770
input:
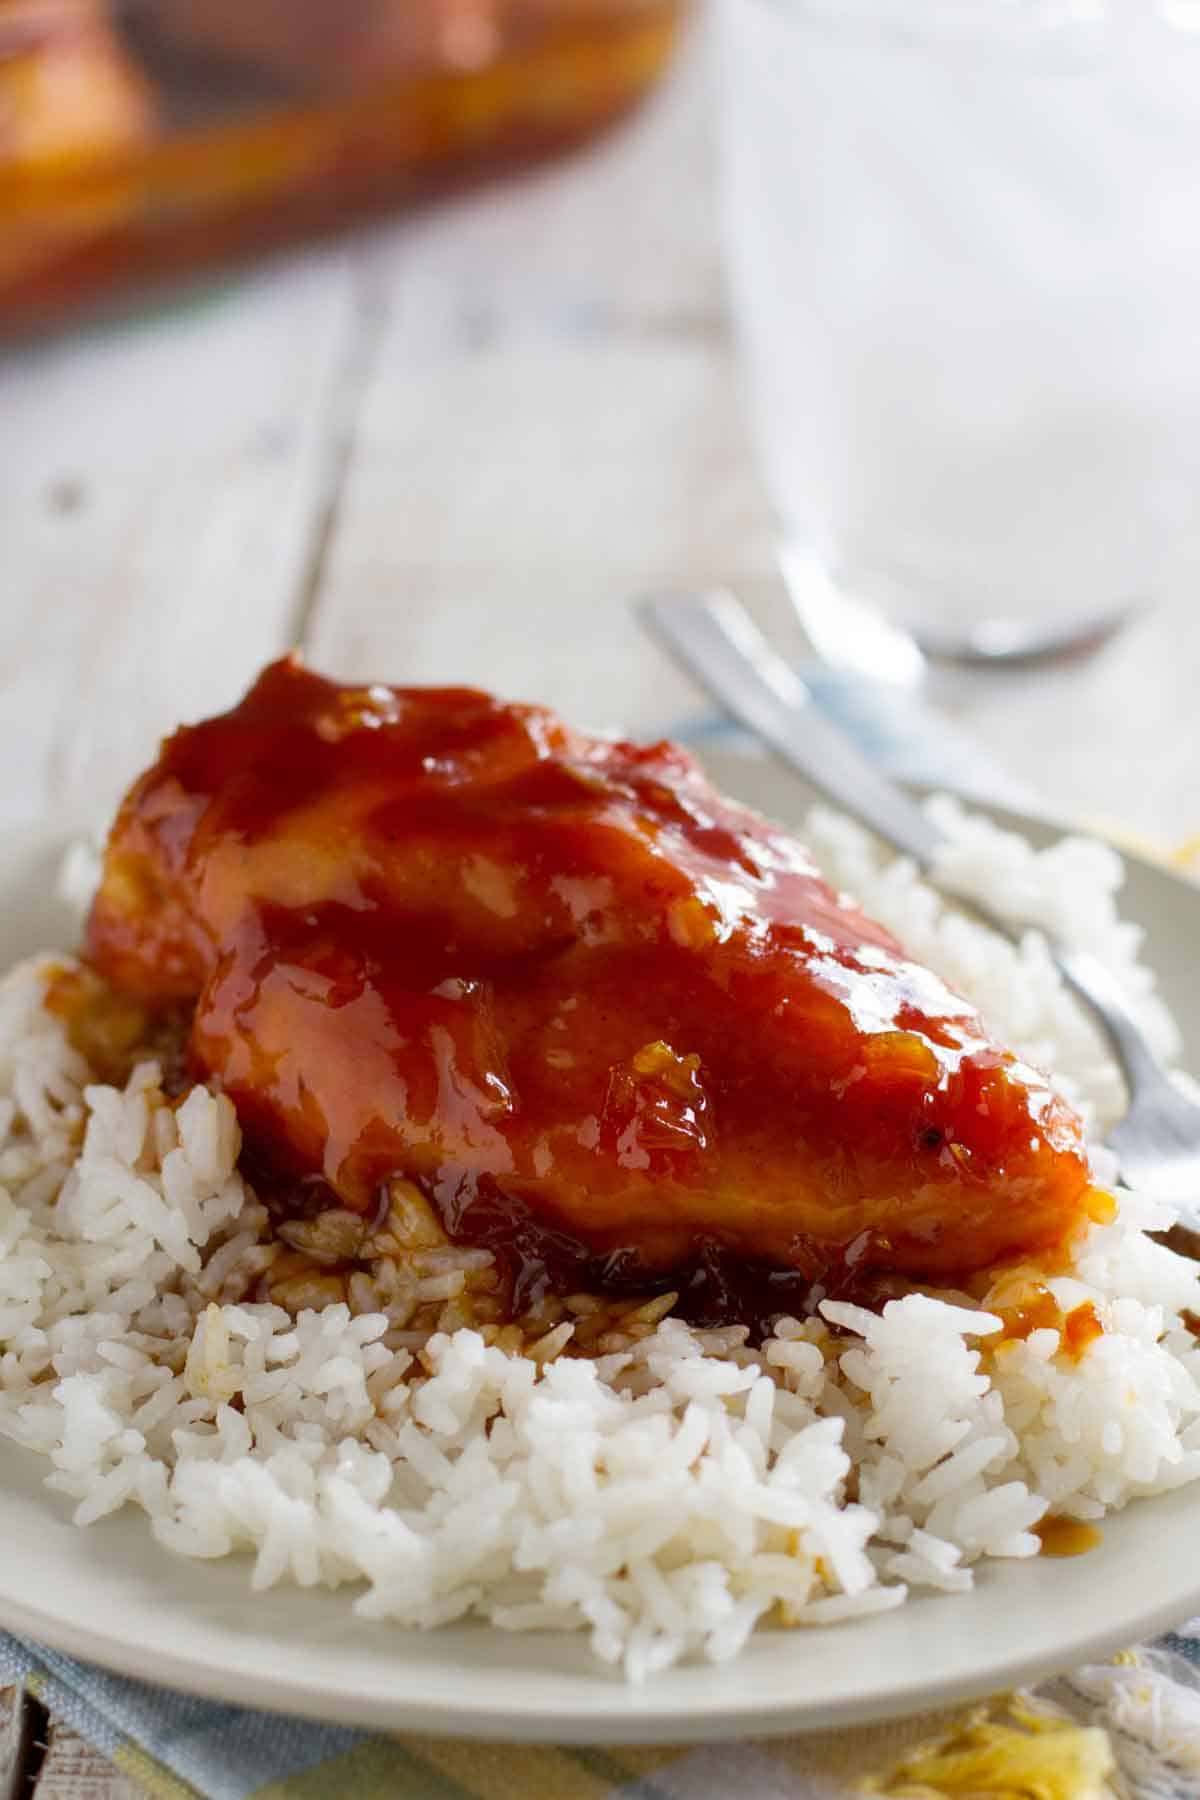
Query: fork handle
pixel 713 636
pixel 1088 978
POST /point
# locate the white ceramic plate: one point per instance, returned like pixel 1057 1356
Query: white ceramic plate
pixel 111 1594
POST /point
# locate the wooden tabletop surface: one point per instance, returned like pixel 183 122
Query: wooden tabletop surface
pixel 450 448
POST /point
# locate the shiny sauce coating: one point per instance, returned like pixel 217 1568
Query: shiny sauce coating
pixel 613 1025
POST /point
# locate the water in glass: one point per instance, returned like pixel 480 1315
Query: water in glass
pixel 963 240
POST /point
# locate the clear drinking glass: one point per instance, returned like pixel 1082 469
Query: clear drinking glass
pixel 963 240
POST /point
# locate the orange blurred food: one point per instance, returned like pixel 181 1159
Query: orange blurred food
pixel 73 106
pixel 69 95
pixel 139 141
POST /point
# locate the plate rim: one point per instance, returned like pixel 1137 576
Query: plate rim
pixel 302 1699
pixel 621 1714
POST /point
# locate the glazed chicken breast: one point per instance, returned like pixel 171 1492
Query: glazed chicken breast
pixel 606 1020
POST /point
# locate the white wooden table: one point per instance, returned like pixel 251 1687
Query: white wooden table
pixel 449 448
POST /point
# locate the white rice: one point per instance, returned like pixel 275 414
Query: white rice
pixel 669 1496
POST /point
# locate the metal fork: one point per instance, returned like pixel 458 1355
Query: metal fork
pixel 1157 1143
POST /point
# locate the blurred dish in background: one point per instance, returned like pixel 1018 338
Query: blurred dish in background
pixel 141 139
pixel 72 103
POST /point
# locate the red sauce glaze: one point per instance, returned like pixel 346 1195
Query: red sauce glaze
pixel 1037 1310
pixel 608 1020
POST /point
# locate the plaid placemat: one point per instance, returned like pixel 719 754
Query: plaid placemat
pixel 1126 1730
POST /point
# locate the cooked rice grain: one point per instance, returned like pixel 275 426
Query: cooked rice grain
pixel 347 1404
